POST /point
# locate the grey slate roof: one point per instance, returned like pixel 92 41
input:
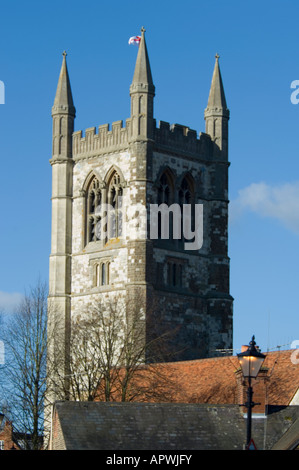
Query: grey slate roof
pixel 167 426
pixel 290 439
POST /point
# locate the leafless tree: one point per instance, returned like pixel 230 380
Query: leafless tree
pixel 108 348
pixel 25 338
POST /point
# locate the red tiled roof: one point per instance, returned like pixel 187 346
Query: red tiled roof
pixel 284 377
pixel 205 380
pixel 211 381
pixel 214 380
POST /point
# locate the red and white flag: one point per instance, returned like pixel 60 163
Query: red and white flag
pixel 135 40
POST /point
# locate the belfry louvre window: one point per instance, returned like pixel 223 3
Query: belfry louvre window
pixel 93 215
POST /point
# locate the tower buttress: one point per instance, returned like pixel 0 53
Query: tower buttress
pixel 63 114
pixel 219 300
pixel 142 92
pixel 216 113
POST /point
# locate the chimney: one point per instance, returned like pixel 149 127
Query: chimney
pixel 259 387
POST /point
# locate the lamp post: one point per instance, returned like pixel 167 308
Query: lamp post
pixel 251 361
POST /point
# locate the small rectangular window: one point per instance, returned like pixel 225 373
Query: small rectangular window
pixel 101 273
pixel 174 273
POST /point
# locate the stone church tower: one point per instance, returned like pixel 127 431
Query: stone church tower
pixel 126 169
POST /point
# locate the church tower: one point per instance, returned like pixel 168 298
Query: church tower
pixel 128 171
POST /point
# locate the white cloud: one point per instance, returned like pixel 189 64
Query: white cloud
pixel 279 202
pixel 9 301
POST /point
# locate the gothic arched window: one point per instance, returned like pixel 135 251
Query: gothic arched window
pixel 164 190
pixel 185 194
pixel 114 200
pixel 104 208
pixel 93 216
pixel 186 197
pixel 165 196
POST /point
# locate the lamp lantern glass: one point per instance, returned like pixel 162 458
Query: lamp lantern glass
pixel 251 360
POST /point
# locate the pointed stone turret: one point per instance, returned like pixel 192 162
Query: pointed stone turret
pixel 216 113
pixel 63 98
pixel 142 92
pixel 63 113
pixel 217 96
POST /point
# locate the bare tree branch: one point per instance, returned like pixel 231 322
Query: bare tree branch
pixel 108 346
pixel 26 350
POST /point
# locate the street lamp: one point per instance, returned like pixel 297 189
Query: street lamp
pixel 251 361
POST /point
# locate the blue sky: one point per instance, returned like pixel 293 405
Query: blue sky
pixel 259 58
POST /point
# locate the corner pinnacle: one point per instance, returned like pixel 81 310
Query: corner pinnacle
pixel 217 95
pixel 142 73
pixel 63 97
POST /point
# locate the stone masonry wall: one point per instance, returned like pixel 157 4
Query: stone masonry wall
pixel 201 322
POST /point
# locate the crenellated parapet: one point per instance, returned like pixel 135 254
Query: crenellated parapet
pixel 105 141
pixel 177 138
pixel 168 137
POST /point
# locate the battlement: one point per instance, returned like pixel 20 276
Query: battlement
pixel 106 140
pixel 169 137
pixel 178 138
